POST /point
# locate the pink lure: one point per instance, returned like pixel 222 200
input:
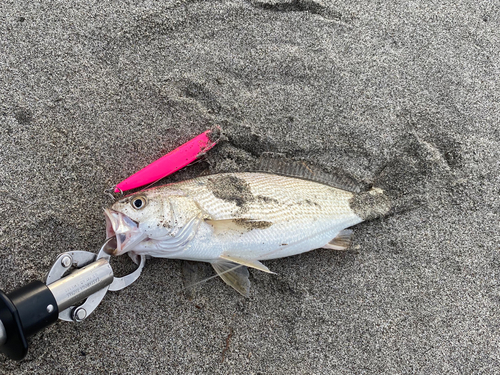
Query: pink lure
pixel 172 162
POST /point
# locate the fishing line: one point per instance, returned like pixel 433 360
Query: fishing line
pixel 209 278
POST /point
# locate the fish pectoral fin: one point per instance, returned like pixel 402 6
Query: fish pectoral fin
pixel 248 263
pixel 341 242
pixel 233 274
pixel 241 225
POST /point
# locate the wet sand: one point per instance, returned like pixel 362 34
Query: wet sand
pixel 404 96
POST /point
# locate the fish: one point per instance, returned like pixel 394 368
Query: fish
pixel 236 220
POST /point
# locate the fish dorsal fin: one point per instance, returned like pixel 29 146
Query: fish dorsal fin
pixel 299 169
pixel 247 262
pixel 233 274
pixel 341 242
pixel 241 225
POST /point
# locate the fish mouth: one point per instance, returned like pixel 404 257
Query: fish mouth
pixel 126 231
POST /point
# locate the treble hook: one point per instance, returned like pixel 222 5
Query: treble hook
pixel 111 190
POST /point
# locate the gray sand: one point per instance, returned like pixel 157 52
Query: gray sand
pixel 403 95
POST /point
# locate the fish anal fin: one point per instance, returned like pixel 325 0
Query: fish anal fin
pixel 233 274
pixel 341 242
pixel 241 225
pixel 247 262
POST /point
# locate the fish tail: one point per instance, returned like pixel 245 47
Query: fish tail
pixel 371 204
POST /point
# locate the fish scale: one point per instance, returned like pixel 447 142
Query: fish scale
pixel 233 219
pixel 290 193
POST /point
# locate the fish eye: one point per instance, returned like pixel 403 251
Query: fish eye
pixel 138 202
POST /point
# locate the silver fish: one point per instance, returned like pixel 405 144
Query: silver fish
pixel 235 220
